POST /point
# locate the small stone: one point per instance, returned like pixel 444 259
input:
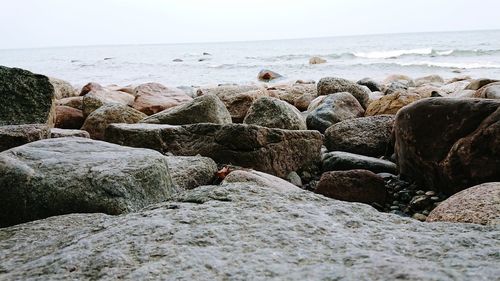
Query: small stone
pixel 419 202
pixel 430 193
pixel 425 212
pixel 435 198
pixel 394 207
pixel 294 178
pixel 395 202
pixel 420 192
pixel 419 217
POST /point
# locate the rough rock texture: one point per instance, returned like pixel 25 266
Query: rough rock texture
pixel 16 135
pixel 331 85
pixel 259 179
pixel 490 91
pixel 98 120
pixel 26 98
pixel 267 75
pixel 479 83
pixel 68 117
pixel 189 172
pixel 479 204
pixel 449 144
pixel 77 175
pixel 227 90
pixel 95 96
pixel 400 86
pixel 390 104
pixel 151 98
pixel 243 232
pixel 370 84
pixel 204 109
pixel 65 133
pixel 339 160
pixel 369 136
pixel 274 113
pixel 273 151
pixel 62 89
pixel 332 109
pixel 74 102
pixel 292 92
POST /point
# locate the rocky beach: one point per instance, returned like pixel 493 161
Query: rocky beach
pixel 336 179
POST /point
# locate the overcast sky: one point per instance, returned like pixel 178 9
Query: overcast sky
pixel 42 23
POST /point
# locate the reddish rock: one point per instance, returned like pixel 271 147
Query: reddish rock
pixel 69 117
pixel 95 96
pixel 75 102
pixel 151 98
pixel 267 75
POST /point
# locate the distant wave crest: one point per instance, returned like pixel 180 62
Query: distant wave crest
pixel 430 52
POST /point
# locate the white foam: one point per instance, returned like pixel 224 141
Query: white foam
pixel 465 65
pixel 393 53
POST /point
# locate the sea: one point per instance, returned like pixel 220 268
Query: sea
pixel 449 54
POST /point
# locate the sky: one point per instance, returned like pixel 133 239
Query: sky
pixel 53 23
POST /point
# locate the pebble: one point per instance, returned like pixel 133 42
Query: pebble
pixel 419 217
pixel 394 207
pixel 425 212
pixel 430 193
pixel 435 198
pixel 420 192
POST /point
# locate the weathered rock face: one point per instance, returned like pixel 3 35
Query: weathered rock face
pixel 332 109
pixel 77 175
pixel 95 96
pixel 369 136
pixel 62 89
pixel 204 109
pixel 238 103
pixel 151 98
pixel 479 204
pixel 340 161
pixel 274 113
pixel 65 133
pixel 449 144
pixel 370 84
pixel 98 120
pixel 68 117
pixel 267 75
pixel 316 60
pixel 273 151
pixel 26 98
pixel 490 91
pixel 16 135
pixel 189 172
pixel 259 179
pixel 243 232
pixel 331 85
pixel 390 104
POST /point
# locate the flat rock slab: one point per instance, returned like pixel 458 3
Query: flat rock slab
pixel 273 151
pixel 16 135
pixel 244 232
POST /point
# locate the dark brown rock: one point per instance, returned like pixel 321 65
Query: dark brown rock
pixel 69 117
pixel 267 75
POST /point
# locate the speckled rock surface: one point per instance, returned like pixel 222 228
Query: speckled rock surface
pixel 188 172
pixel 274 113
pixel 16 135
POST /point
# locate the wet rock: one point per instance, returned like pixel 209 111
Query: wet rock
pixel 397 87
pixel 69 118
pixel 274 113
pixel 370 84
pixel 390 104
pixel 316 60
pixel 17 135
pixel 151 98
pixel 66 133
pixel 267 75
pixel 188 172
pixel 339 160
pixel 332 85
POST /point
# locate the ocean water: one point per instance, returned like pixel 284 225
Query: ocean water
pixel 474 53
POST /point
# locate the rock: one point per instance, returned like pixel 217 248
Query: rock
pixel 274 113
pixel 177 60
pixel 77 175
pixel 458 150
pixel 354 186
pixel 204 109
pixel 369 136
pixel 151 98
pixel 455 86
pixel 17 135
pixel 98 120
pixel 227 90
pixel 490 91
pixel 479 83
pixel 479 204
pixel 398 77
pixel 273 151
pixel 429 79
pixel 95 96
pixel 331 85
pixel 267 75
pixel 427 91
pixel 259 179
pixel 290 93
pixel 303 102
pixel 62 89
pixel 400 86
pixel 340 161
pixel 332 109
pixel 74 102
pixel 370 84
pixel 27 98
pixel 420 202
pixel 69 118
pixel 189 172
pixel 316 60
pixel 294 179
pixel 65 133
pixel 390 104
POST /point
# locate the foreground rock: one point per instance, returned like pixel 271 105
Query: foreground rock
pixel 78 175
pixel 449 144
pixel 151 98
pixel 332 85
pixel 17 135
pixel 189 172
pixel 26 98
pixel 244 232
pixel 339 160
pixel 273 151
pixel 274 113
pixel 479 204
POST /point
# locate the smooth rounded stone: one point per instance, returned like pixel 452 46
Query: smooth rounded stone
pixel 303 102
pixel 68 117
pixel 390 104
pixel 273 151
pixel 77 175
pixel 371 84
pixel 420 217
pixel 479 204
pixel 370 136
pixel 267 75
pixel 274 113
pixel 332 85
pixel 74 102
pixel 316 60
pixel 17 135
pixel 398 77
pixel 400 86
pixel 95 96
pixel 26 98
pixel 188 172
pixel 227 90
pixel 339 160
pixel 479 83
pixel 151 98
pixel 62 89
pixel 458 78
pixel 65 133
pixel 461 94
pixel 430 193
pixel 98 120
pixel 427 91
pixel 332 109
pixel 294 179
pixel 490 91
pixel 177 60
pixel 455 86
pixel 204 109
pixel 429 79
pixel 354 186
pixel 460 149
pixel 291 92
pixel 259 179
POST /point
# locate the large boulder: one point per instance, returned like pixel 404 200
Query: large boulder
pixel 68 117
pixel 479 204
pixel 98 120
pixel 369 136
pixel 62 89
pixel 189 172
pixel 341 161
pixel 246 232
pixel 95 96
pixel 26 98
pixel 274 113
pixel 332 109
pixel 490 91
pixel 391 104
pixel 449 144
pixel 273 151
pixel 332 85
pixel 151 98
pixel 17 135
pixel 204 109
pixel 77 175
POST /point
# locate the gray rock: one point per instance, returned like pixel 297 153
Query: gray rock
pixel 370 84
pixel 260 179
pixel 243 232
pixel 294 179
pixel 62 89
pixel 274 113
pixel 65 133
pixel 189 172
pixel 400 86
pixel 17 135
pixel 77 175
pixel 338 161
pixel 332 85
